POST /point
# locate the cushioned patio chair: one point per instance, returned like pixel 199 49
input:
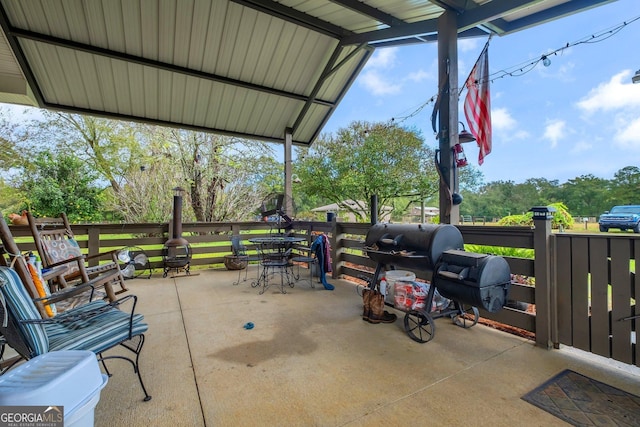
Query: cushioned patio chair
pixel 57 245
pixel 97 326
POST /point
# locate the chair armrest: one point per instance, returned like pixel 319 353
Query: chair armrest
pixel 83 316
pixel 79 260
pixel 112 253
pixel 66 293
pixel 52 272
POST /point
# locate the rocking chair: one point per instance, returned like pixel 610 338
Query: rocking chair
pixel 56 245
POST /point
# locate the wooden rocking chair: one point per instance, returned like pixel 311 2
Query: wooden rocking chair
pixel 56 245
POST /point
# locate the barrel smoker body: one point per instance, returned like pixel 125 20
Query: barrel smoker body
pixel 468 279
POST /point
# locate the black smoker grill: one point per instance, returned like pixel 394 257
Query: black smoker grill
pixel 470 280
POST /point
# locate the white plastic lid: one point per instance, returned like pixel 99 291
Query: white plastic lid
pixel 57 378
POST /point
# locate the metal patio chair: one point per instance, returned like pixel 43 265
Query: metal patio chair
pixel 97 326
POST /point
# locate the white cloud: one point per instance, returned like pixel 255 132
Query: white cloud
pixel 555 131
pixel 521 134
pixel 581 146
pixel 377 84
pixel 379 79
pixel 627 136
pixel 501 119
pixel 418 76
pixel 466 45
pixel 383 58
pixel 616 94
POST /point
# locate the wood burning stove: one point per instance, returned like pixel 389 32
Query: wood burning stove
pixel 176 253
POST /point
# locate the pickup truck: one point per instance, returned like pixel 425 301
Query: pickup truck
pixel 622 217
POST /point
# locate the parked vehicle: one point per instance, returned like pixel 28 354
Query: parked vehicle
pixel 622 217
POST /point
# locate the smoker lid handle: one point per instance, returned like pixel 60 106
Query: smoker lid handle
pixel 453 275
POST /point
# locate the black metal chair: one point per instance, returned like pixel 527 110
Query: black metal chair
pixel 239 250
pixel 274 258
pixel 309 260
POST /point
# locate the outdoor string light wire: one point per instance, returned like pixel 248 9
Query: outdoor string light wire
pixel 526 66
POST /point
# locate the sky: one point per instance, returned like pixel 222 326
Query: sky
pixel 578 116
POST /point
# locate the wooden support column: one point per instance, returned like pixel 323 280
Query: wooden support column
pixel 546 325
pixel 288 181
pixel 448 113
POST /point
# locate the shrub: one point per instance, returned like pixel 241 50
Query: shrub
pixel 561 218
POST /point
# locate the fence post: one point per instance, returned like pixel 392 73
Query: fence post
pixel 334 241
pixel 544 292
pixel 93 244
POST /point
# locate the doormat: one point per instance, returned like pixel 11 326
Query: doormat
pixel 583 401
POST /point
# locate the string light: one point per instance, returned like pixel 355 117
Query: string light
pixel 524 68
pixel 546 61
pixel 527 66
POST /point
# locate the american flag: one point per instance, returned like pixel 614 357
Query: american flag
pixel 477 104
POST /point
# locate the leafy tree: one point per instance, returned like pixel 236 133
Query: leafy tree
pixel 587 195
pixel 220 172
pixel 11 155
pixel 502 198
pixel 368 159
pixel 492 200
pixel 109 147
pixel 206 165
pixel 625 186
pixel 62 183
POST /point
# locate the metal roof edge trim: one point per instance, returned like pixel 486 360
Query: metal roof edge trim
pixel 135 119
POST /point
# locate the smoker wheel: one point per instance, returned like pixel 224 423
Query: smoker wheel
pixel 466 316
pixel 419 326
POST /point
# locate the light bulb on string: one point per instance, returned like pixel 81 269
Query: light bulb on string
pixel 545 61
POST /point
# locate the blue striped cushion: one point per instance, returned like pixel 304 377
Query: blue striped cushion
pixel 97 334
pixel 23 308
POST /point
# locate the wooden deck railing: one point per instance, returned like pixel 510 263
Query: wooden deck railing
pixel 585 284
pixel 597 287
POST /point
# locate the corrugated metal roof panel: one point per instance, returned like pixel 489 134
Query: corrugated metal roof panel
pixel 8 64
pixel 247 67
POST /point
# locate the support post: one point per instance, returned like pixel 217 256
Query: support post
pixel 545 291
pixel 448 113
pixel 288 181
pixel 374 209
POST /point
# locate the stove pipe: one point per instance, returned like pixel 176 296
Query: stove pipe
pixel 176 233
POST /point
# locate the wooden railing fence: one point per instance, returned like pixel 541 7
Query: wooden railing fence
pixel 585 284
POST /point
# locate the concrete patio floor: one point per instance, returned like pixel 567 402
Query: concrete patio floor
pixel 310 360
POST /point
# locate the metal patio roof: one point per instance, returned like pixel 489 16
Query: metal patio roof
pixel 249 68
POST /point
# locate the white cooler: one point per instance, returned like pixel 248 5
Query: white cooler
pixel 60 378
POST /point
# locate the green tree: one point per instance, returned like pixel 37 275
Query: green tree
pixel 368 159
pixel 62 183
pixel 625 186
pixel 492 200
pixel 220 172
pixel 11 155
pixel 109 147
pixel 587 195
